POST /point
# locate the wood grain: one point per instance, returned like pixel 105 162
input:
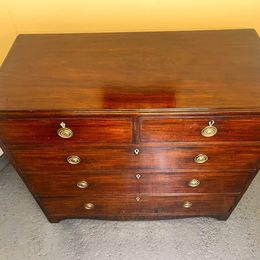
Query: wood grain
pixel 64 184
pixel 54 159
pixel 188 128
pixel 89 129
pixel 126 207
pixel 118 92
pixel 198 69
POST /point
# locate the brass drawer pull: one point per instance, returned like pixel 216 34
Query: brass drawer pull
pixel 138 176
pixel 136 151
pixel 89 206
pixel 187 204
pixel 201 158
pixel 138 198
pixel 82 184
pixel 194 183
pixel 64 132
pixel 73 159
pixel 209 130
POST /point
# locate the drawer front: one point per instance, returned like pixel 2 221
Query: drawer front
pixel 82 184
pixel 129 207
pixel 174 129
pixel 183 157
pixel 88 129
pixel 155 158
pixel 186 182
pixel 110 206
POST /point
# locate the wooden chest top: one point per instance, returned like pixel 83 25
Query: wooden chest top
pixel 196 70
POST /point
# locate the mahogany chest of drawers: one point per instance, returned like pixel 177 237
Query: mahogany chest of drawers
pixel 133 125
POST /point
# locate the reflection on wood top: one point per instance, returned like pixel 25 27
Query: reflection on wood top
pixel 198 69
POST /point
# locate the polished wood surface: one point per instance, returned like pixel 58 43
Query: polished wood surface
pixel 188 128
pixel 123 157
pixel 86 130
pixel 136 104
pixel 196 70
pixel 65 184
pixel 127 207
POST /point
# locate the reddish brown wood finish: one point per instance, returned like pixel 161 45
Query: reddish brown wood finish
pixel 127 207
pixel 54 159
pixel 123 91
pixel 65 184
pixel 179 129
pixel 88 129
pixel 199 69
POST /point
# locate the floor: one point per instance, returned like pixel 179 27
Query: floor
pixel 26 234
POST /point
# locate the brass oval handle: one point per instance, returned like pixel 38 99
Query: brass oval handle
pixel 201 158
pixel 73 159
pixel 64 132
pixel 194 183
pixel 89 206
pixel 82 184
pixel 136 151
pixel 138 176
pixel 187 204
pixel 209 130
pixel 138 198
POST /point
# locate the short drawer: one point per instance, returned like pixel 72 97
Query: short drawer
pixel 131 207
pixel 82 184
pixel 181 129
pixel 45 131
pixel 53 159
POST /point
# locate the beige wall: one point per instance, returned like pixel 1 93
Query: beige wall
pixel 30 16
pixel 7 33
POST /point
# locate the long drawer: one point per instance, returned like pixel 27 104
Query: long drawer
pixel 127 207
pixel 180 129
pixel 219 157
pixel 84 184
pixel 85 130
